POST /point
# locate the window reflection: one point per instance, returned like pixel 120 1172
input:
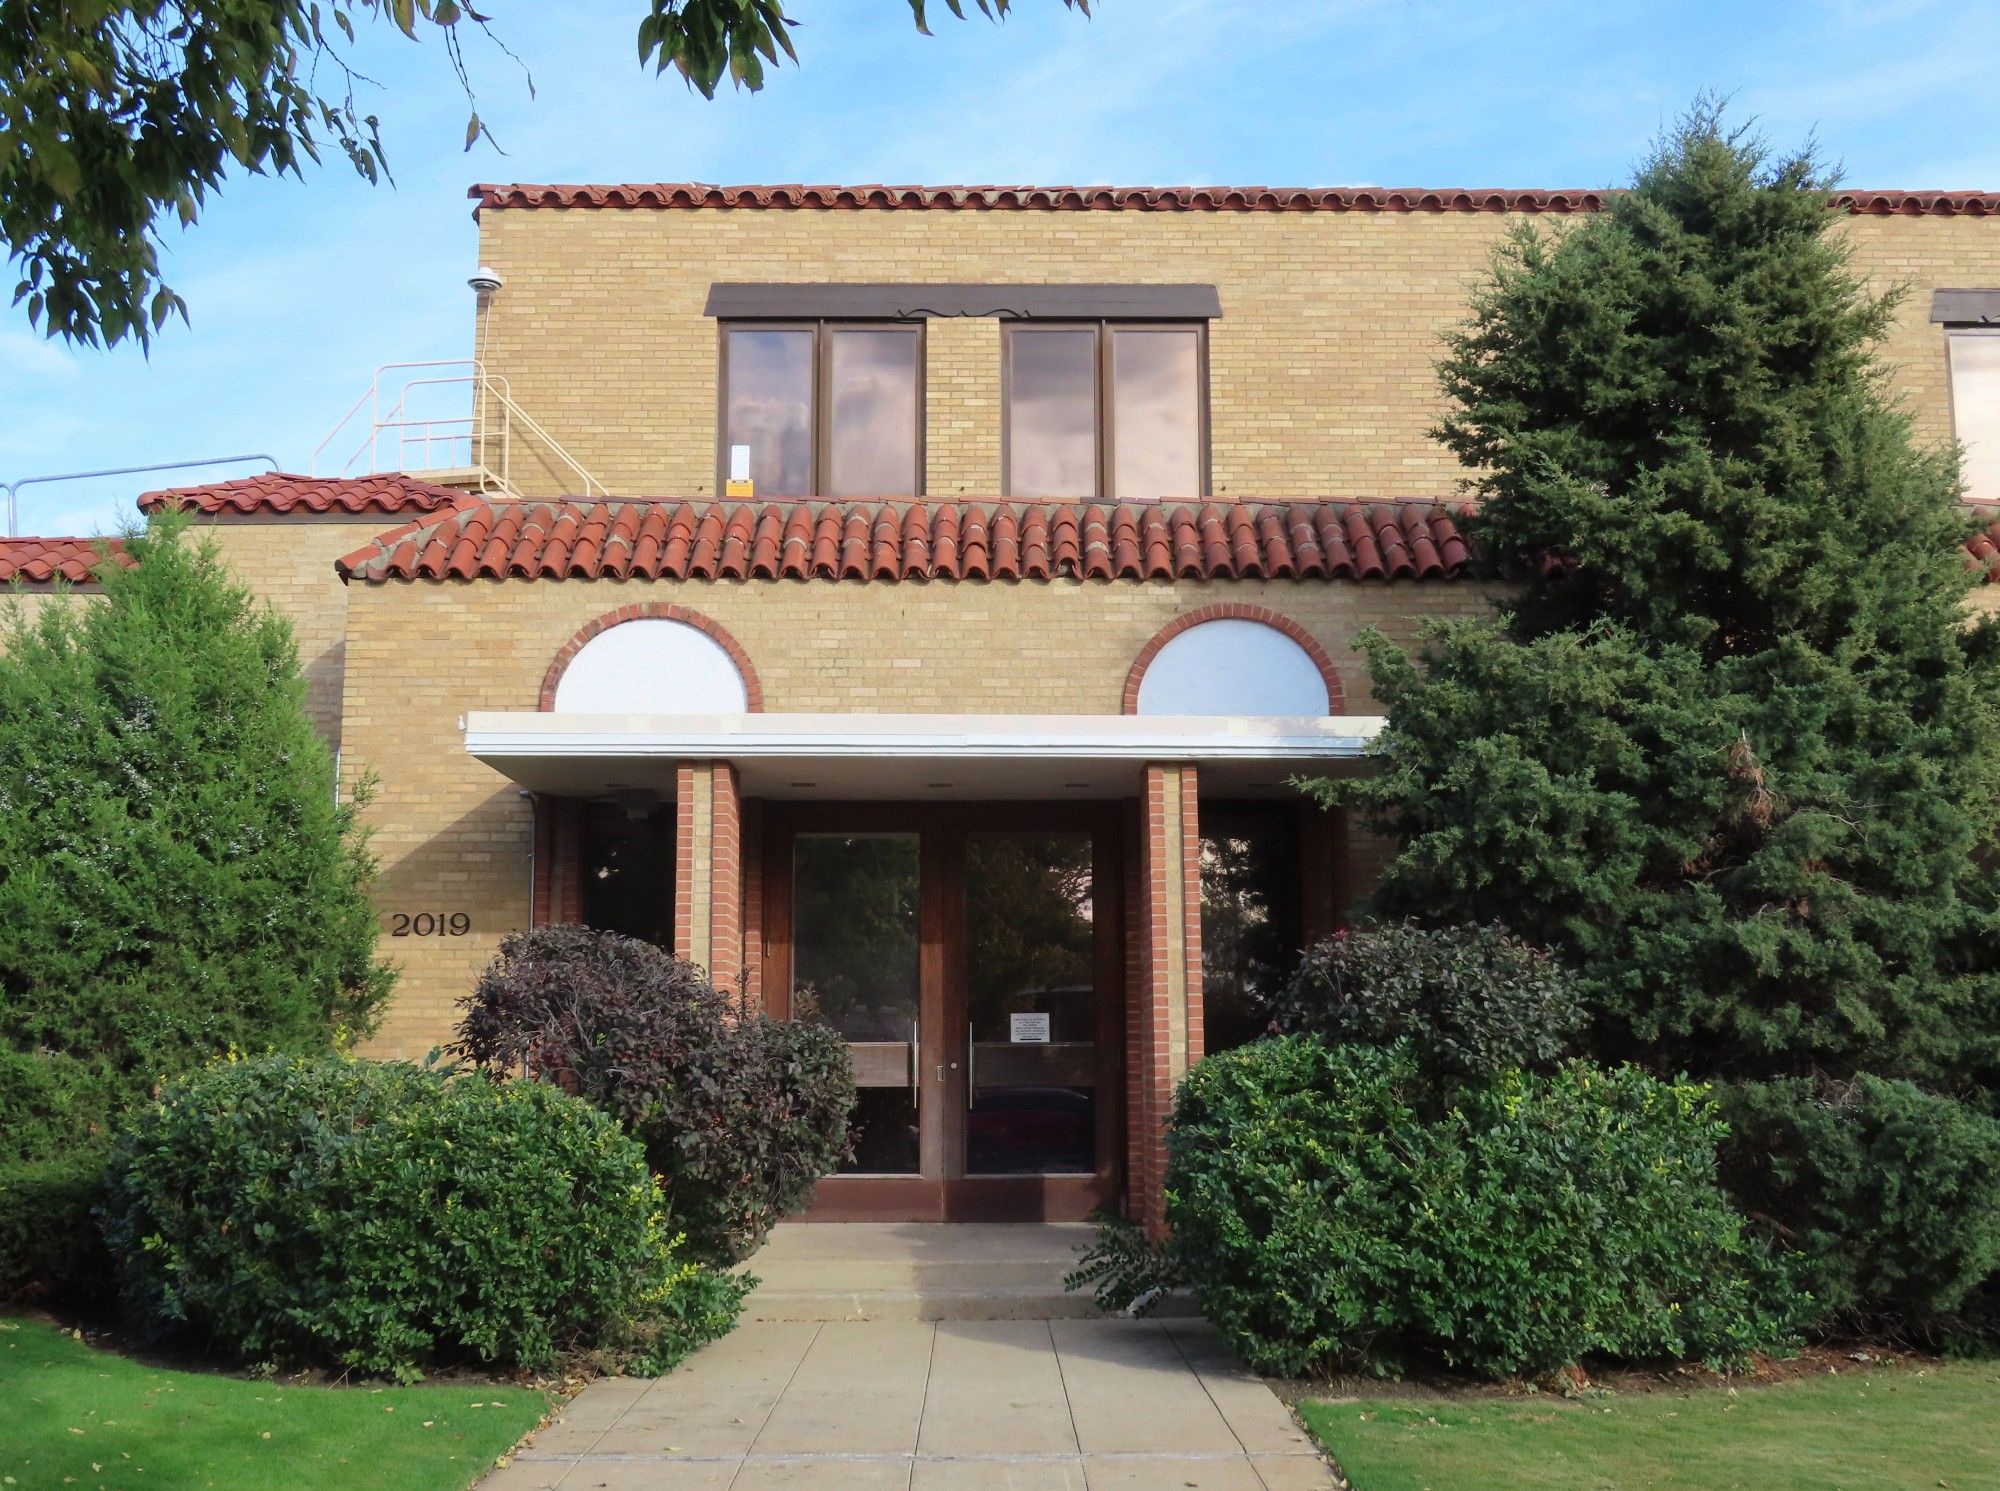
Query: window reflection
pixel 1250 925
pixel 628 872
pixel 1975 410
pixel 872 413
pixel 855 947
pixel 1052 413
pixel 854 931
pixel 1156 410
pixel 1031 1004
pixel 769 407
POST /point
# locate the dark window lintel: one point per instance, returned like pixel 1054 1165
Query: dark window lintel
pixel 1965 307
pixel 911 302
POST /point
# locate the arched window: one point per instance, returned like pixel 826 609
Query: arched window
pixel 1233 665
pixel 652 666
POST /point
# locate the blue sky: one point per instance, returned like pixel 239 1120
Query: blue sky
pixel 297 290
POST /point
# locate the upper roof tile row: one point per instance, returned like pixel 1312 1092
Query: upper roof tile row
pixel 280 492
pixel 458 535
pixel 918 540
pixel 45 561
pixel 684 194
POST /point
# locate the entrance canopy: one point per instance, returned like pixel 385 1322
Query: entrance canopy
pixel 913 756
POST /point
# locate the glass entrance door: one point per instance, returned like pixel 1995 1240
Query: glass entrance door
pixel 969 955
pixel 1030 1004
pixel 857 965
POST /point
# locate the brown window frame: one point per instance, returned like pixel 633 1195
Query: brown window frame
pixel 1951 391
pixel 1104 405
pixel 817 413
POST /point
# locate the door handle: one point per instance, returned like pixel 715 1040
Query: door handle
pixel 916 1065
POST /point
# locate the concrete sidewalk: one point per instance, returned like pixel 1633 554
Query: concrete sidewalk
pixel 1026 1405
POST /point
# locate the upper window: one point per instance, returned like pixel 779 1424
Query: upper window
pixel 822 409
pixel 1975 407
pixel 1105 409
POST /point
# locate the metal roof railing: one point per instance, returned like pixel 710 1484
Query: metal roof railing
pixel 404 433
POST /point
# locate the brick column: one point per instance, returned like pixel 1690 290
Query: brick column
pixel 708 870
pixel 1166 1034
pixel 750 818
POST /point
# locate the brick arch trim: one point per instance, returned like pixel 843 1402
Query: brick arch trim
pixel 753 691
pixel 1336 697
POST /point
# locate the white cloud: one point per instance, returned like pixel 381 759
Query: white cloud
pixel 30 355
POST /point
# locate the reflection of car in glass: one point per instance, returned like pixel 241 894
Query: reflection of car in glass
pixel 1030 1130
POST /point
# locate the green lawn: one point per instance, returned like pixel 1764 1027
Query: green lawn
pixel 1889 1430
pixel 74 1416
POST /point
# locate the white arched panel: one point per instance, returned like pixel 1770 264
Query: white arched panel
pixel 652 666
pixel 1232 666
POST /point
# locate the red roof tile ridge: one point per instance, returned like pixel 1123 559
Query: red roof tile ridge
pixel 289 492
pixel 1105 198
pixel 955 539
pixel 46 559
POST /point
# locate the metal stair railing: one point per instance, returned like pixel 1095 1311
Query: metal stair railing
pixel 485 435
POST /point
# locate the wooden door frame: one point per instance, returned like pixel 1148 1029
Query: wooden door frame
pixel 943 1192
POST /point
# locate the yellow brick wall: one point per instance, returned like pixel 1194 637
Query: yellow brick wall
pixel 28 603
pixel 289 562
pixel 455 836
pixel 1321 375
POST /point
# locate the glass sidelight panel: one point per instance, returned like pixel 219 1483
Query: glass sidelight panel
pixel 1250 932
pixel 1031 1004
pixel 856 959
pixel 628 871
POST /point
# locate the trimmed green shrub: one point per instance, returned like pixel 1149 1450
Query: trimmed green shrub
pixel 175 874
pixel 390 1218
pixel 740 1115
pixel 1123 1268
pixel 1471 1000
pixel 1890 1195
pixel 786 1098
pixel 51 1102
pixel 1323 1219
pixel 176 877
pixel 49 1243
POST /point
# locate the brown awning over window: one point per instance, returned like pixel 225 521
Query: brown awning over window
pixel 908 302
pixel 1965 307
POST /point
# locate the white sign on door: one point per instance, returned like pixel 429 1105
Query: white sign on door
pixel 1028 1029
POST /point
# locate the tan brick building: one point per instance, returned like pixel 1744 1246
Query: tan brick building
pixel 923 596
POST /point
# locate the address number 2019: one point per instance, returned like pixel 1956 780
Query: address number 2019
pixel 429 924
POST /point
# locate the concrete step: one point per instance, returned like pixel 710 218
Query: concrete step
pixel 918 1271
pixel 900 1273
pixel 987 1303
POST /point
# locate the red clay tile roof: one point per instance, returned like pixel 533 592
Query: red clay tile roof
pixel 44 561
pixel 1984 546
pixel 280 492
pixel 1158 198
pixel 918 540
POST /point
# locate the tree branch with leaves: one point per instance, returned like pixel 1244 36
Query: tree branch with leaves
pixel 118 115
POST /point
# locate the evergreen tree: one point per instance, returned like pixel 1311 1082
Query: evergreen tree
pixel 176 876
pixel 1732 746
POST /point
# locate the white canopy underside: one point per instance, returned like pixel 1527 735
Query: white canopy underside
pixel 914 755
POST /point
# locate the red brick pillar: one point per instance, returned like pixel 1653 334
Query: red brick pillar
pixel 750 817
pixel 708 870
pixel 1166 1035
